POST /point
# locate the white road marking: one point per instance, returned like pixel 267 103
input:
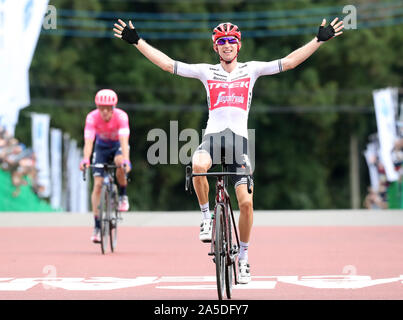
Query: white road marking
pixel 193 282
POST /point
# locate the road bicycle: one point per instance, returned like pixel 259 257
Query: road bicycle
pixel 225 241
pixel 109 215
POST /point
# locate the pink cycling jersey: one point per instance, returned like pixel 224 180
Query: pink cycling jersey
pixel 117 127
pixel 229 95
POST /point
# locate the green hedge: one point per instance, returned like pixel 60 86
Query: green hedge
pixel 25 201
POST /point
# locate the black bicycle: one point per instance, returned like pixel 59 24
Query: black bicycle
pixel 224 246
pixel 109 214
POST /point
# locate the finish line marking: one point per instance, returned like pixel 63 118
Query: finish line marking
pixel 192 282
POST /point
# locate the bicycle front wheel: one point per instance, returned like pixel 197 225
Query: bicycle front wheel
pixel 113 223
pixel 228 258
pixel 219 251
pixel 104 214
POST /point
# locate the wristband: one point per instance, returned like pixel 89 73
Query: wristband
pixel 127 162
pixel 85 162
pixel 130 35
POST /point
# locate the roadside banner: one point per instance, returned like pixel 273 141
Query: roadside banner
pixel 371 156
pixel 56 168
pixel 20 26
pixel 40 146
pixel 385 118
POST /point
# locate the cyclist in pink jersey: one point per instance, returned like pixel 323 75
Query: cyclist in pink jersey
pixel 108 127
pixel 229 87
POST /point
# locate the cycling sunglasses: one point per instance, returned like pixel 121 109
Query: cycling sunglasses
pixel 222 41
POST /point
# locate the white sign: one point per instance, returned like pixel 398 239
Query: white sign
pixel 56 167
pixel 20 26
pixel 371 157
pixel 40 146
pixel 385 119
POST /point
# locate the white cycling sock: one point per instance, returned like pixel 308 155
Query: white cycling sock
pixel 243 250
pixel 205 211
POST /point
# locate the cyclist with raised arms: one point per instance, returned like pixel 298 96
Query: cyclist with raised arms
pixel 229 87
pixel 109 127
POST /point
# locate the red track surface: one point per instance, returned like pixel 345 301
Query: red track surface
pixel 297 252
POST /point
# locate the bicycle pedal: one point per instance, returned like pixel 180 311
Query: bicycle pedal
pixel 211 253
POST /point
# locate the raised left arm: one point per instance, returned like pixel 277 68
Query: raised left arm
pixel 124 144
pixel 298 56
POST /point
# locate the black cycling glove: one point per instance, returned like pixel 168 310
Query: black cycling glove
pixel 325 33
pixel 130 35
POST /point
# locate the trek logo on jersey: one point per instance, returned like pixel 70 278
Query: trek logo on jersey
pixel 229 94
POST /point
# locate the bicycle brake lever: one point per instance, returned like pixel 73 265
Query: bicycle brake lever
pixel 188 184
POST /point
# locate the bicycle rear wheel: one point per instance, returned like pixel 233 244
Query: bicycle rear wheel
pixel 113 223
pixel 104 214
pixel 219 252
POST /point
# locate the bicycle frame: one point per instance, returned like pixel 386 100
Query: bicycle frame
pixel 222 200
pixel 109 194
pixel 109 178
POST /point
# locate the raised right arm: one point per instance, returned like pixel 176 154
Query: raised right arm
pixel 89 137
pixel 155 56
pixel 129 34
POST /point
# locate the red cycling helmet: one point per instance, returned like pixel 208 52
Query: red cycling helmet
pixel 223 30
pixel 106 97
pixel 226 29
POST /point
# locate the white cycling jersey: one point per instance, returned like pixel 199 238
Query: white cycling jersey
pixel 229 95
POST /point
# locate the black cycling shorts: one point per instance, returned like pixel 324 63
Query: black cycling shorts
pixel 228 147
pixel 104 154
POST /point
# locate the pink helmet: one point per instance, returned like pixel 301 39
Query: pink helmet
pixel 106 97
